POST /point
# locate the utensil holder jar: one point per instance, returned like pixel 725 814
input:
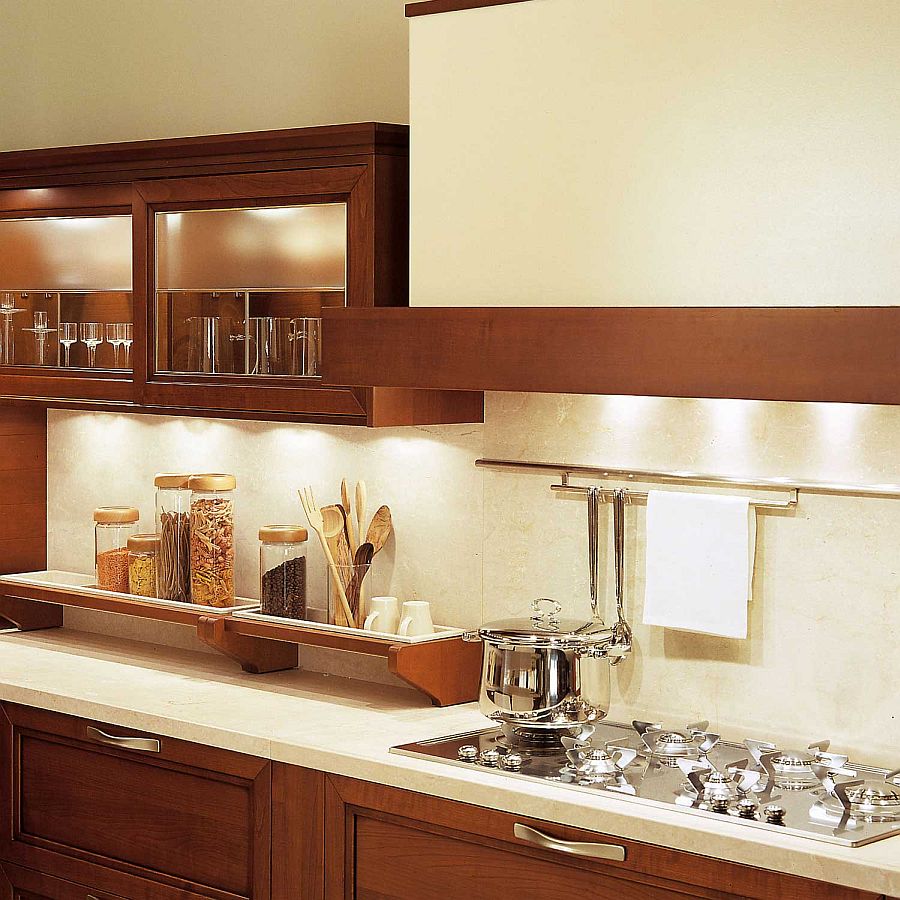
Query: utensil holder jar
pixel 173 525
pixel 212 539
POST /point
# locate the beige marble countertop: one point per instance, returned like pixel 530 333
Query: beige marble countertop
pixel 347 727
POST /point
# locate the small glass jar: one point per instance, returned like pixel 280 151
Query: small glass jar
pixel 142 559
pixel 173 525
pixel 282 570
pixel 212 539
pixel 113 525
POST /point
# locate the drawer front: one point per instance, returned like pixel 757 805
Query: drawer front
pixel 85 794
pixel 389 844
pixel 17 883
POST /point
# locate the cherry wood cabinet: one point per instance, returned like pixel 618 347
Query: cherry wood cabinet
pixel 389 844
pixel 17 883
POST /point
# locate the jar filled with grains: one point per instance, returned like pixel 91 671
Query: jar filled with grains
pixel 282 570
pixel 142 555
pixel 173 525
pixel 113 525
pixel 212 539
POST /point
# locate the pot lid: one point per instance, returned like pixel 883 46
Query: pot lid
pixel 561 633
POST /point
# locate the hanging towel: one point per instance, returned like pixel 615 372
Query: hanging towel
pixel 700 553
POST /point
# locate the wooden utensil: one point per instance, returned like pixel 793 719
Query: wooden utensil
pixel 360 502
pixel 362 562
pixel 316 522
pixel 380 528
pixel 334 526
pixel 345 504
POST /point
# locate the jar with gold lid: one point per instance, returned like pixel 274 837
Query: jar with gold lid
pixel 212 539
pixel 143 550
pixel 113 525
pixel 173 525
pixel 282 570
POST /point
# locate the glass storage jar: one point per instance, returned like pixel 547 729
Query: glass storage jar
pixel 173 526
pixel 142 556
pixel 282 570
pixel 113 525
pixel 212 539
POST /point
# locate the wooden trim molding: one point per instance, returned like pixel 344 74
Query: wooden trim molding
pixel 838 354
pixel 429 7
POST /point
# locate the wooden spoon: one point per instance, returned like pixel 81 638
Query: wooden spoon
pixel 334 527
pixel 380 528
pixel 345 504
pixel 362 562
pixel 360 502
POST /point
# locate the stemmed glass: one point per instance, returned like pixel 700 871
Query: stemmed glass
pixel 91 337
pixel 114 336
pixel 8 335
pixel 41 331
pixel 68 335
pixel 126 335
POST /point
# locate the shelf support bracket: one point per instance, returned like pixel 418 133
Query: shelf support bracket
pixel 257 656
pixel 448 671
pixel 30 615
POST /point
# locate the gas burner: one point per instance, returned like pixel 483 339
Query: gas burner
pixel 594 765
pixel 540 740
pixel 667 746
pixel 794 770
pixel 711 788
pixel 866 800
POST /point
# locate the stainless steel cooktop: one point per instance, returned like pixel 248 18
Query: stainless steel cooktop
pixel 811 792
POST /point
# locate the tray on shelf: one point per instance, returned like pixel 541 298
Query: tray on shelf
pixel 441 632
pixel 77 585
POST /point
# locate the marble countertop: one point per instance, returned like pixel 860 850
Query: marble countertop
pixel 347 727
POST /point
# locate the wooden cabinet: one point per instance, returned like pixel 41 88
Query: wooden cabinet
pixel 388 844
pixel 133 814
pixel 239 244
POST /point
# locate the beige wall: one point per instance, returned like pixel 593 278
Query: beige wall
pixel 88 71
pixel 657 152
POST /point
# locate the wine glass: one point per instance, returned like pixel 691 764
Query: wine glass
pixel 68 335
pixel 40 331
pixel 113 337
pixel 126 335
pixel 91 337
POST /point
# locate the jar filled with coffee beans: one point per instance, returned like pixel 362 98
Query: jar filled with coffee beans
pixel 282 570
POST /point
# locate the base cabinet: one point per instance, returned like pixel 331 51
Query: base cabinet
pixel 91 811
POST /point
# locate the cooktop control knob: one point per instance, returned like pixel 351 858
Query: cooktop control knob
pixel 775 814
pixel 467 753
pixel 719 804
pixel 746 809
pixel 512 762
pixel 489 758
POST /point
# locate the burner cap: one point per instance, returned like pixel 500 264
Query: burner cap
pixel 874 796
pixel 791 761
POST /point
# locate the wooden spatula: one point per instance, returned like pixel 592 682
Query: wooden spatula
pixel 380 528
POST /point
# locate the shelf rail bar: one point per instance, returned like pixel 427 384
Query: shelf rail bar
pixel 793 486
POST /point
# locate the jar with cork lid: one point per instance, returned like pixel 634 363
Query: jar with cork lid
pixel 282 570
pixel 173 525
pixel 113 525
pixel 212 539
pixel 142 556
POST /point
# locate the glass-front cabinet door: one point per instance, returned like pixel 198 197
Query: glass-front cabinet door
pixel 237 272
pixel 66 305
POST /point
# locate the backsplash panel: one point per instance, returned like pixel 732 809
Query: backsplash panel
pixel 821 659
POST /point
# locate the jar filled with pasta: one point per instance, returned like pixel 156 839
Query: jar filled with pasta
pixel 173 525
pixel 142 555
pixel 212 539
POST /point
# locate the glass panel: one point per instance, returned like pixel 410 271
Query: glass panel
pixel 72 253
pixel 241 291
pixel 65 292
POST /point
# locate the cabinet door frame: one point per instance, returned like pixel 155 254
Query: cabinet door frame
pixel 348 184
pixel 51 382
pixel 107 873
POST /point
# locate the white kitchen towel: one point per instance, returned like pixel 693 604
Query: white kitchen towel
pixel 700 553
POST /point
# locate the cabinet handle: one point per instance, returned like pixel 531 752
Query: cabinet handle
pixel 91 897
pixel 148 745
pixel 576 848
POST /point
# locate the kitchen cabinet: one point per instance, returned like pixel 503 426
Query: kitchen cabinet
pixel 389 844
pixel 189 276
pixel 17 883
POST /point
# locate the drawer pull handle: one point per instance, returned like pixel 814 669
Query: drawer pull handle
pixel 148 745
pixel 576 848
pixel 91 897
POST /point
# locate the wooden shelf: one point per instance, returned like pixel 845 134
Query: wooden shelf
pixel 446 670
pixel 840 354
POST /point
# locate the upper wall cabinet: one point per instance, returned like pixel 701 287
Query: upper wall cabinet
pixel 191 276
pixel 66 311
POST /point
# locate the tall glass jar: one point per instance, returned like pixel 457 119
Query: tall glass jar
pixel 142 552
pixel 282 570
pixel 113 525
pixel 212 539
pixel 173 525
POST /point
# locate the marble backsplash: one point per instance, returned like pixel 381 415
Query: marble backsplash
pixel 820 660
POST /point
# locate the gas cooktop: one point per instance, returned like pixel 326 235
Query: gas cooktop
pixel 812 793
